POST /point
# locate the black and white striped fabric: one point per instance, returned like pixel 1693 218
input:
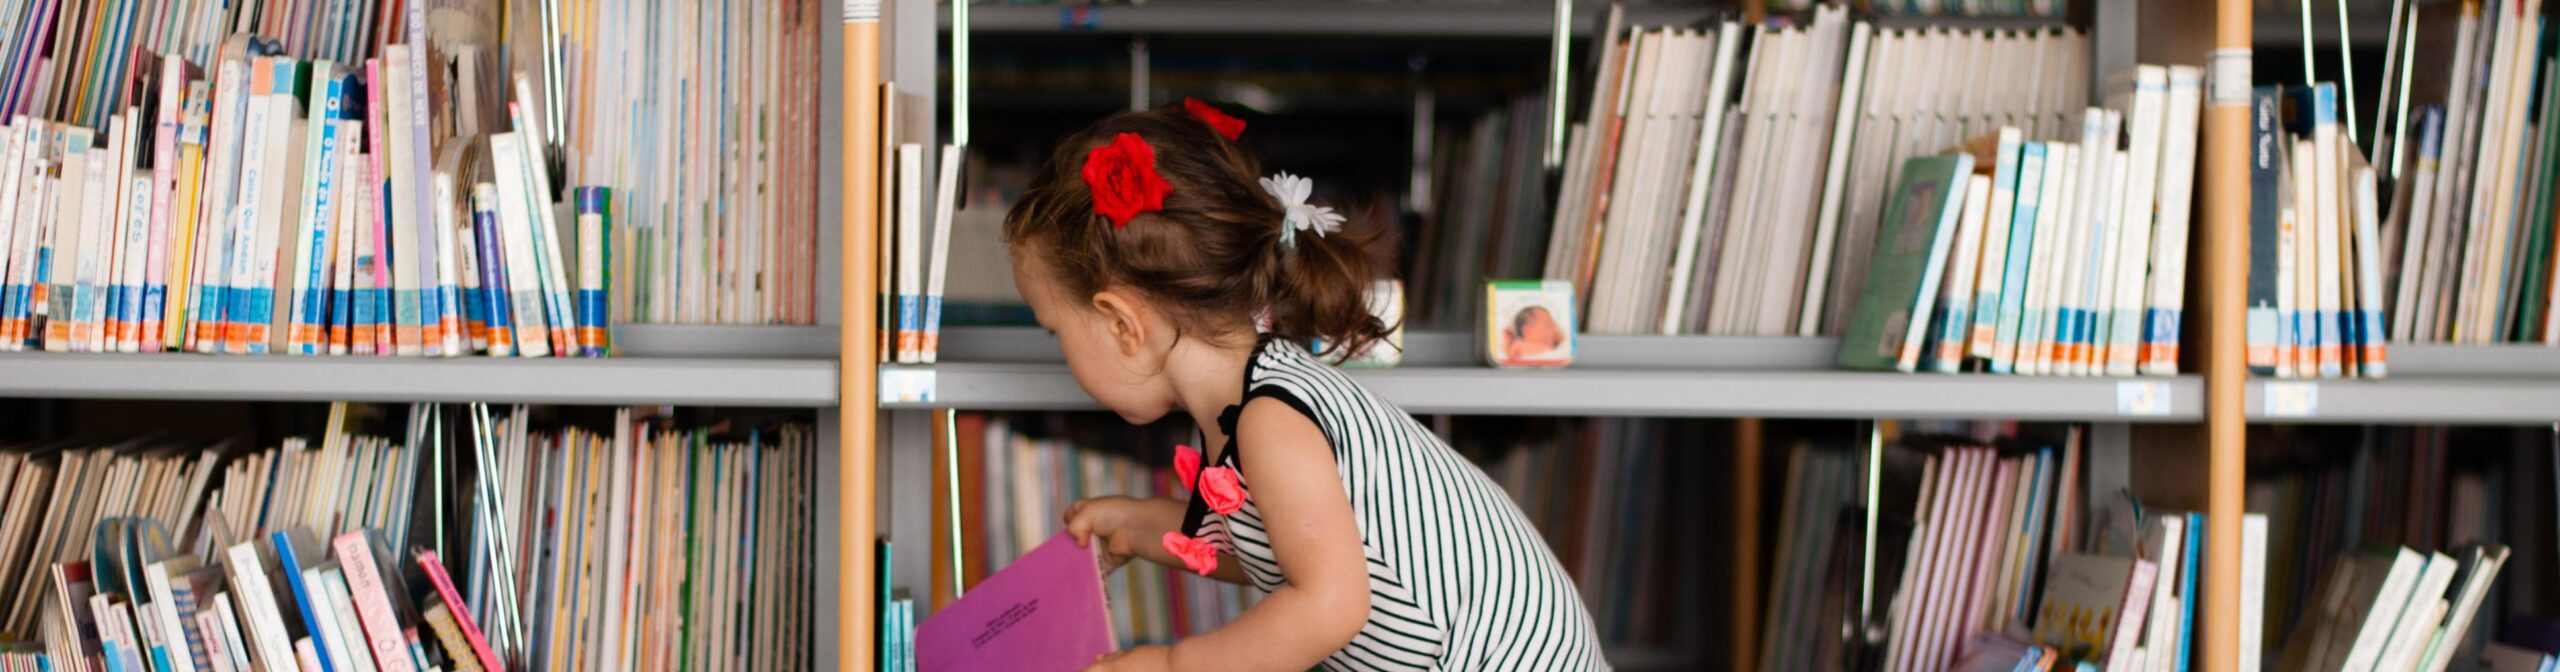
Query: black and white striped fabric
pixel 1458 578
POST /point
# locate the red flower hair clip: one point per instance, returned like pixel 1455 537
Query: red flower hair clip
pixel 1122 176
pixel 1229 127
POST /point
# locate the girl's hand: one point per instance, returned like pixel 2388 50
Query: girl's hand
pixel 1108 520
pixel 1141 659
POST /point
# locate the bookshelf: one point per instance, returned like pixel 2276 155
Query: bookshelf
pixel 2198 422
pixel 2429 385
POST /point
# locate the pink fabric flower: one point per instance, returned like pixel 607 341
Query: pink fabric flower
pixel 1186 465
pixel 1195 553
pixel 1122 176
pixel 1222 489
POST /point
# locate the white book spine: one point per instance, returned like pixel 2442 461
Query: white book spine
pixel 223 164
pixel 264 622
pixel 407 212
pixel 134 246
pixel 945 205
pixel 337 617
pixel 515 224
pixel 2052 240
pixel 910 252
pixel 2135 220
pixel 2164 313
pixel 97 241
pixel 310 272
pixel 2378 623
pixel 1982 340
pixel 1834 182
pixel 546 236
pixel 1955 293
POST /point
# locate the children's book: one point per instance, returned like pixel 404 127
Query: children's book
pixel 1044 612
pixel 1911 250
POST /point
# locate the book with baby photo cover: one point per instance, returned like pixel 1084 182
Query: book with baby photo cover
pixel 1044 612
pixel 1529 323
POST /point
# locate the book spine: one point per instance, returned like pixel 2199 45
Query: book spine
pixel 2027 204
pixel 247 208
pixel 475 316
pixel 524 275
pixel 311 266
pixel 434 569
pixel 184 234
pixel 98 227
pixel 372 602
pixel 353 218
pixel 16 152
pixel 123 333
pixel 432 321
pixel 448 332
pixel 1998 237
pixel 594 228
pixel 493 270
pixel 213 214
pixel 164 185
pixel 2265 223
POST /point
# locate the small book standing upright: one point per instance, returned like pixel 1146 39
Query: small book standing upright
pixel 1046 611
pixel 1910 256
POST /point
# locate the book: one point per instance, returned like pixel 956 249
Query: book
pixel 1894 307
pixel 1044 611
pixel 1529 323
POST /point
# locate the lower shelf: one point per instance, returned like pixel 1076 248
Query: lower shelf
pixel 1619 392
pixel 684 381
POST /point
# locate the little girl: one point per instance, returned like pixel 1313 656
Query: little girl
pixel 1175 277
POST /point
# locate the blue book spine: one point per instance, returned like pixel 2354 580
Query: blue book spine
pixel 2028 200
pixel 493 275
pixel 302 597
pixel 2194 577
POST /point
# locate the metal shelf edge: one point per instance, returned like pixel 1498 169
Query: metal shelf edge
pixel 608 381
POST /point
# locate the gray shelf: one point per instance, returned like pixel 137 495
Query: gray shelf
pixel 2429 384
pixel 683 381
pixel 725 341
pixel 1325 18
pixel 1017 369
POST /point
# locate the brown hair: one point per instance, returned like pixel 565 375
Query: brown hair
pixel 1213 256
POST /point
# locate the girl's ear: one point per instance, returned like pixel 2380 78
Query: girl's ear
pixel 1123 315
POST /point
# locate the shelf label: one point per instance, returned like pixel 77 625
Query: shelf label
pixel 2290 399
pixel 2226 77
pixel 2142 397
pixel 900 385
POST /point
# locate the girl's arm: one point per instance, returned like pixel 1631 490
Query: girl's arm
pixel 1293 479
pixel 1135 528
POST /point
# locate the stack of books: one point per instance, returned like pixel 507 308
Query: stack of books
pixel 579 550
pixel 2041 9
pixel 212 177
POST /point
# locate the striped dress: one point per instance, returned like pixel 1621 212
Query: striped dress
pixel 1458 578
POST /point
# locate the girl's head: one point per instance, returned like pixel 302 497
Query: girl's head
pixel 1121 294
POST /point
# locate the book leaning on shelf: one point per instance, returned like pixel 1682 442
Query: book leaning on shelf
pixel 646 547
pixel 178 175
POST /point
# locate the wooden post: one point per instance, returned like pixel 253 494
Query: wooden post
pixel 2225 217
pixel 857 400
pixel 1747 588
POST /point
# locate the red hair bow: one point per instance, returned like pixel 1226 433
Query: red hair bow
pixel 1229 127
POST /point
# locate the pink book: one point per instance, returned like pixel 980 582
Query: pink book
pixel 2137 600
pixel 1994 544
pixel 434 570
pixel 1045 612
pixel 372 603
pixel 378 331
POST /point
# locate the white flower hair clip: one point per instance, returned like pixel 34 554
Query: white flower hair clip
pixel 1292 192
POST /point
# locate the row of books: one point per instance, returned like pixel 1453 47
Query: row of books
pixel 1762 216
pixel 2315 301
pixel 2463 153
pixel 1487 200
pixel 1027 484
pixel 284 175
pixel 1984 554
pixel 916 252
pixel 2051 9
pixel 2009 256
pixel 642 548
pixel 1603 495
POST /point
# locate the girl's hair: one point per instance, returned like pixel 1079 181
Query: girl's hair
pixel 1213 257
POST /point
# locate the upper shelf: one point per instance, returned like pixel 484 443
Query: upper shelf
pixel 686 366
pixel 1326 18
pixel 1644 376
pixel 2429 384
